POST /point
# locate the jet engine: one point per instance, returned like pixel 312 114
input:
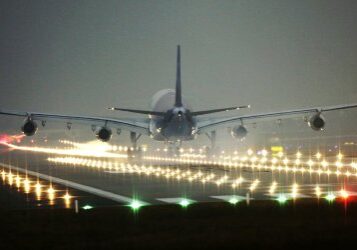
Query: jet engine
pixel 103 134
pixel 29 128
pixel 317 122
pixel 239 132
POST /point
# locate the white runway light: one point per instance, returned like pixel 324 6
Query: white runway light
pixel 188 167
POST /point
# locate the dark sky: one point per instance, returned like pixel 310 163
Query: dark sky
pixel 79 57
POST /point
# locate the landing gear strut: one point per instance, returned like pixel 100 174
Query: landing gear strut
pixel 134 151
pixel 173 149
pixel 134 139
pixel 212 138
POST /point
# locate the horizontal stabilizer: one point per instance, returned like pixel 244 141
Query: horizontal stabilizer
pixel 137 111
pixel 205 112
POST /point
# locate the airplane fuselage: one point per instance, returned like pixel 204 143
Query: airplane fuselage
pixel 176 125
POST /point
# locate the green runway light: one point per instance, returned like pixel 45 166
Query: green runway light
pixel 184 203
pixel 330 197
pixel 233 200
pixel 87 207
pixel 282 199
pixel 135 204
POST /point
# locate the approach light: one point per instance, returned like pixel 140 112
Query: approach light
pixel 27 186
pixel 264 152
pixel 38 190
pixel 340 156
pixel 318 191
pixel 344 194
pixel 18 181
pixel 294 190
pixel 273 187
pixel 67 197
pixel 324 164
pixel 50 190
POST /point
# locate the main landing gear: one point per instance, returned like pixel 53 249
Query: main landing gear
pixel 213 148
pixel 173 149
pixel 134 151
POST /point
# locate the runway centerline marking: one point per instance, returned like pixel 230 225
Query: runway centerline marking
pixel 74 185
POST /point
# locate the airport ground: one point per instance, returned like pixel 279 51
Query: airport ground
pixel 261 225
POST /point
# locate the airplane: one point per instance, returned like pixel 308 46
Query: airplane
pixel 170 118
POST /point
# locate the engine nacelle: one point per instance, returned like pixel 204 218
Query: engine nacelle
pixel 29 128
pixel 103 134
pixel 239 132
pixel 317 122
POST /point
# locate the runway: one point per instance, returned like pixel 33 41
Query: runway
pixel 159 179
pixel 119 186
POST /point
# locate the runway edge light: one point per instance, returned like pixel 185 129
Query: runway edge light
pixel 135 205
pixel 282 199
pixel 185 202
pixel 87 207
pixel 233 200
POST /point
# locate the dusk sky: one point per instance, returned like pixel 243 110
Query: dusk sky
pixel 80 57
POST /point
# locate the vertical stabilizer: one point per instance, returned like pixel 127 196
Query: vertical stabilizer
pixel 178 96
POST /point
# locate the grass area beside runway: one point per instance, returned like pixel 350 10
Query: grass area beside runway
pixel 263 224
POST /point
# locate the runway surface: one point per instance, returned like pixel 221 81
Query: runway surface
pixel 158 179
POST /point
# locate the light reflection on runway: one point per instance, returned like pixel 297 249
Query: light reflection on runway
pixel 261 174
pixel 41 189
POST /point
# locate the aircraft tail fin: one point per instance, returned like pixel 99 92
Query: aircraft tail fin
pixel 178 94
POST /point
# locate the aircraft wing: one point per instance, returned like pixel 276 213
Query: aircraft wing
pixel 140 126
pixel 210 124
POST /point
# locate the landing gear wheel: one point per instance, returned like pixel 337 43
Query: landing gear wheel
pixel 213 149
pixel 174 149
pixel 134 151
